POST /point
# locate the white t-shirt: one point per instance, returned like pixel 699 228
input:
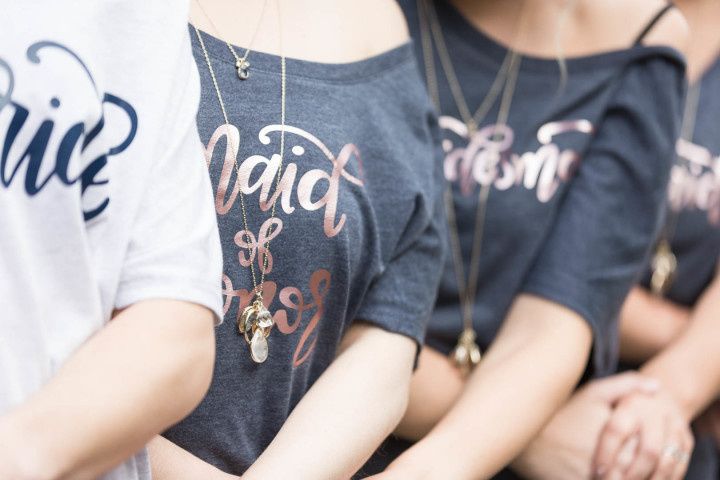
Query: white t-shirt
pixel 104 195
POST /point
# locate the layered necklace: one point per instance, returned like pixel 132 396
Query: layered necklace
pixel 466 354
pixel 255 322
pixel 664 263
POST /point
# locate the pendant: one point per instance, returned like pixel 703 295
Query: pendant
pixel 243 69
pixel 664 265
pixel 255 325
pixel 466 354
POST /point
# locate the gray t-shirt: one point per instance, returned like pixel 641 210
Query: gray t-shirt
pixel 578 179
pixel 694 198
pixel 358 234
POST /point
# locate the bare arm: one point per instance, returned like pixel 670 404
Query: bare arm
pixel 531 368
pixel 648 324
pixel 141 373
pixel 347 413
pixel 690 367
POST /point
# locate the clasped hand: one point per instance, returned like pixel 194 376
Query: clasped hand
pixel 646 437
pixel 624 427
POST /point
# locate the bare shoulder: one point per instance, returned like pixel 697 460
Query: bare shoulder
pixel 382 24
pixel 624 20
pixel 672 30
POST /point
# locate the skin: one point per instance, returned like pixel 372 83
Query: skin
pixel 648 324
pixel 87 419
pixel 358 30
pixel 564 448
pixel 372 370
pixel 542 346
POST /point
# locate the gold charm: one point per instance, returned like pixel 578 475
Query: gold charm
pixel 255 325
pixel 243 68
pixel 467 352
pixel 664 265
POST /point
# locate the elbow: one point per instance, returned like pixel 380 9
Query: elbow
pixel 399 401
pixel 397 397
pixel 193 371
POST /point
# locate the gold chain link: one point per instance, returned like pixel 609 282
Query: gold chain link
pixel 258 288
pixel 505 81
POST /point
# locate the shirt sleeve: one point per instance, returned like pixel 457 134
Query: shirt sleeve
pixel 174 249
pixel 611 213
pixel 402 297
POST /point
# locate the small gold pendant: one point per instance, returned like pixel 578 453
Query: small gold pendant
pixel 255 325
pixel 466 354
pixel 243 69
pixel 664 266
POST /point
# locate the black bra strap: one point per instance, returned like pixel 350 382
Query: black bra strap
pixel 653 22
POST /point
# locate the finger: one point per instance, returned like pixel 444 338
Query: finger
pixel 612 389
pixel 665 467
pixel 674 457
pixel 627 453
pixel 614 474
pixel 621 426
pixel 654 435
pixel 683 462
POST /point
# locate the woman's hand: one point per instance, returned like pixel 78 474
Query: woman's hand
pixel 647 437
pixel 564 449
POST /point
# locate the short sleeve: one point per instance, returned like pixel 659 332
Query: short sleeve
pixel 611 213
pixel 174 248
pixel 402 297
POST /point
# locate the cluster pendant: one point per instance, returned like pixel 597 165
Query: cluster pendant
pixel 255 325
pixel 466 353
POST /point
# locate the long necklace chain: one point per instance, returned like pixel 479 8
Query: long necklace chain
pixel 664 261
pixel 242 65
pixel 255 322
pixel 467 352
pixel 431 31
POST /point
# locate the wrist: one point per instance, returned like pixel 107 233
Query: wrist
pixel 22 456
pixel 679 390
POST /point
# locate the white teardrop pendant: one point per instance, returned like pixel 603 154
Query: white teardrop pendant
pixel 259 347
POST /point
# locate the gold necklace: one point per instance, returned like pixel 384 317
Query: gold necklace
pixel 466 354
pixel 664 262
pixel 242 65
pixel 256 321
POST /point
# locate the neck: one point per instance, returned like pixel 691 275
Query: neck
pixel 501 19
pixel 358 29
pixel 703 16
